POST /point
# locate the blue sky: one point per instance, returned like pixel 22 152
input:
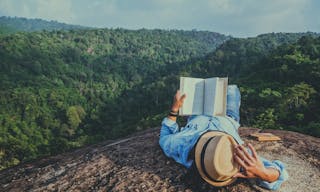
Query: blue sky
pixel 239 18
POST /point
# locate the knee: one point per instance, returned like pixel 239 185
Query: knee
pixel 233 89
pixel 233 86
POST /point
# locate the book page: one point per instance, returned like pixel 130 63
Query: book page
pixel 221 97
pixel 215 96
pixel 209 96
pixel 194 89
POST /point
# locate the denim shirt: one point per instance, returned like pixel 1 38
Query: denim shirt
pixel 177 143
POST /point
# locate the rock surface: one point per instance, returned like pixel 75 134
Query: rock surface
pixel 137 163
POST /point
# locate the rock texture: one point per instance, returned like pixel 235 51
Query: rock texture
pixel 137 163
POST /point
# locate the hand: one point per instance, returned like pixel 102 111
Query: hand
pixel 178 101
pixel 251 164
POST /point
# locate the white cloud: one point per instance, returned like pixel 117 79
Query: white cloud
pixel 7 7
pixel 235 17
pixel 221 7
pixel 275 16
pixel 55 9
pixel 60 10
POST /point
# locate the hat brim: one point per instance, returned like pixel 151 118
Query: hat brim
pixel 198 149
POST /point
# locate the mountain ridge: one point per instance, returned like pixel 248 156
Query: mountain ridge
pixel 55 84
pixel 9 25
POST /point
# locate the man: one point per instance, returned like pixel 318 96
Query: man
pixel 220 135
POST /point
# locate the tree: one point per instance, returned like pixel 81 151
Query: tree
pixel 75 115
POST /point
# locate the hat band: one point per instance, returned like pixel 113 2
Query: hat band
pixel 202 162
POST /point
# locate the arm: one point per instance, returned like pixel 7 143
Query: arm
pixel 169 125
pixel 174 143
pixel 177 103
pixel 271 174
pixel 171 140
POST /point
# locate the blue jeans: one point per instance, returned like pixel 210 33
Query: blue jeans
pixel 233 102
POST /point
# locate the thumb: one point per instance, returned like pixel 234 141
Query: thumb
pixel 239 175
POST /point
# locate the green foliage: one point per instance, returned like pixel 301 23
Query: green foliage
pixel 9 25
pixel 269 93
pixel 312 128
pixel 64 89
pixel 299 95
pixel 75 115
pixel 266 119
pixel 279 82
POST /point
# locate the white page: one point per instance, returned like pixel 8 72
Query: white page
pixel 194 90
pixel 221 94
pixel 215 96
pixel 209 97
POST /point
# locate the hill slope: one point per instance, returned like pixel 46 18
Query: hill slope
pixel 64 89
pixel 278 81
pixel 10 25
pixel 137 163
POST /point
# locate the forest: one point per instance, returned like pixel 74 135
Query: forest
pixel 10 25
pixel 63 89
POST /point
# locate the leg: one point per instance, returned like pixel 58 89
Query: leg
pixel 233 102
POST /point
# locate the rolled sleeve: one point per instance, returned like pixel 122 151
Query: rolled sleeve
pixel 167 141
pixel 282 177
pixel 169 126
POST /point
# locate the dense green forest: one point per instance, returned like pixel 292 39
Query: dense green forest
pixel 9 25
pixel 279 82
pixel 65 89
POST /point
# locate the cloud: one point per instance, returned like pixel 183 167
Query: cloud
pixel 55 9
pixel 235 17
pixel 273 16
pixel 50 9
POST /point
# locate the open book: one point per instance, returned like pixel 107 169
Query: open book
pixel 204 96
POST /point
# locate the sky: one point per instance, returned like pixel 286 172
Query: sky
pixel 238 18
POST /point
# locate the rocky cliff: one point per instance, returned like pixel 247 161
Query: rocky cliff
pixel 137 163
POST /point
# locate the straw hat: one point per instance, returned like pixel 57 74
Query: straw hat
pixel 214 158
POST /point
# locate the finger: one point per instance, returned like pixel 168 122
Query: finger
pixel 243 157
pixel 239 175
pixel 246 153
pixel 183 97
pixel 254 153
pixel 177 94
pixel 240 161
